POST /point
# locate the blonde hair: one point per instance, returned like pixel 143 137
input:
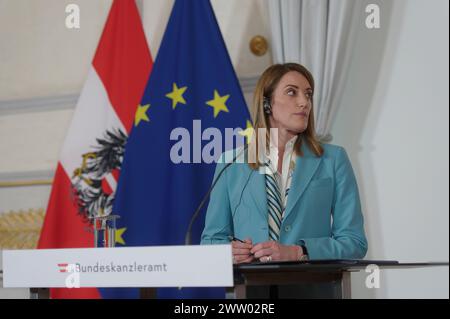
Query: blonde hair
pixel 265 88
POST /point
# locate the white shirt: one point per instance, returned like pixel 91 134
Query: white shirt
pixel 287 167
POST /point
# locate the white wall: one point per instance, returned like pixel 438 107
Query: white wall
pixel 394 124
pixel 39 56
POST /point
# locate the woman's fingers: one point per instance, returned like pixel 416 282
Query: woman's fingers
pixel 264 245
pixel 265 259
pixel 248 260
pixel 240 259
pixel 241 251
pixel 236 244
pixel 263 252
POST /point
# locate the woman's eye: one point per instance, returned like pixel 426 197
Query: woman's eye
pixel 309 95
pixel 290 92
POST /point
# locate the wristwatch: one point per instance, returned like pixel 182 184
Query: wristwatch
pixel 303 257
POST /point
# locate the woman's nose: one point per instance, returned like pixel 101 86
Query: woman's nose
pixel 302 100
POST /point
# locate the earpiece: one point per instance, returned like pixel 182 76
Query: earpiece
pixel 266 105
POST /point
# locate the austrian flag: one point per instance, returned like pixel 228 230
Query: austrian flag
pixel 88 170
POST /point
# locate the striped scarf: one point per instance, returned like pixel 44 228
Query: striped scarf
pixel 275 202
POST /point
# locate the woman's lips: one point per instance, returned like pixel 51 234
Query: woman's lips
pixel 304 114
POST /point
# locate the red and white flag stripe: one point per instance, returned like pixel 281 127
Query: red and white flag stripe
pixel 110 96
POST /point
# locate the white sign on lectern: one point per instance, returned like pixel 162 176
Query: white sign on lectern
pixel 161 266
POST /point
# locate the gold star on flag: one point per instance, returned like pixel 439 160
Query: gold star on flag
pixel 119 238
pixel 248 132
pixel 177 95
pixel 218 103
pixel 141 114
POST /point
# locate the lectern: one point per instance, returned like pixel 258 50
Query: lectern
pixel 149 268
pixel 310 279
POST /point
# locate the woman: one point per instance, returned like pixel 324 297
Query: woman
pixel 300 199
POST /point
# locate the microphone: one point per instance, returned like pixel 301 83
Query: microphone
pixel 188 238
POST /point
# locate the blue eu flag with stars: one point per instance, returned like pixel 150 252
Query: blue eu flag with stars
pixel 167 169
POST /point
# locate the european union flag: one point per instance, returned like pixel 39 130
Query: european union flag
pixel 168 165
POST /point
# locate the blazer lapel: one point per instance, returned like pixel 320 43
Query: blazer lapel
pixel 257 187
pixel 305 167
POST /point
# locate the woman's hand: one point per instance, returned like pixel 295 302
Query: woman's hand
pixel 241 251
pixel 272 250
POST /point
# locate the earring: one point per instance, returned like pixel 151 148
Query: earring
pixel 266 106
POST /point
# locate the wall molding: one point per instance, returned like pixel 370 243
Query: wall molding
pixel 26 178
pixel 69 101
pixel 38 104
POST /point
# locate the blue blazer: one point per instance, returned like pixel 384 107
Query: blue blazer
pixel 323 210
